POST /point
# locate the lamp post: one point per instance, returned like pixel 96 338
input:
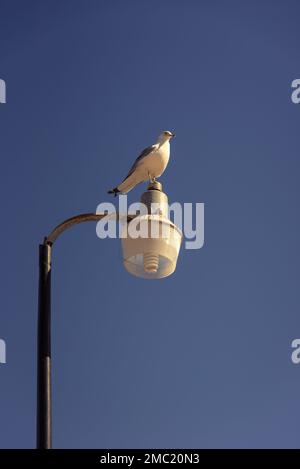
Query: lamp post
pixel 151 258
pixel 44 404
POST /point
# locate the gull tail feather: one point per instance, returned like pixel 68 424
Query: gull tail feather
pixel 129 183
pixel 114 191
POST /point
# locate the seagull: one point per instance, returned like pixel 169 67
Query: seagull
pixel 149 165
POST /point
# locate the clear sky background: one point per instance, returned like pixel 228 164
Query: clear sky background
pixel 203 358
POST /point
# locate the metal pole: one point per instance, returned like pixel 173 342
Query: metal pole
pixel 44 436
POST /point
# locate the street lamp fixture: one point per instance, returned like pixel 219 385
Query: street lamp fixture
pixel 151 257
pixel 155 255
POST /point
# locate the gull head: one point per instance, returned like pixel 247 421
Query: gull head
pixel 165 136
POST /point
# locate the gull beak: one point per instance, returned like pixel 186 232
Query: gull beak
pixel 173 135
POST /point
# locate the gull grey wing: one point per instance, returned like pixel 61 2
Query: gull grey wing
pixel 144 153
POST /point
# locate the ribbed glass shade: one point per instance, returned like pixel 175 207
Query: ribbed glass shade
pixel 154 256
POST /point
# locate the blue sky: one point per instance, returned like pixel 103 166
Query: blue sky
pixel 200 359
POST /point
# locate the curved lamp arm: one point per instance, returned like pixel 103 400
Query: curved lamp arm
pixel 75 221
